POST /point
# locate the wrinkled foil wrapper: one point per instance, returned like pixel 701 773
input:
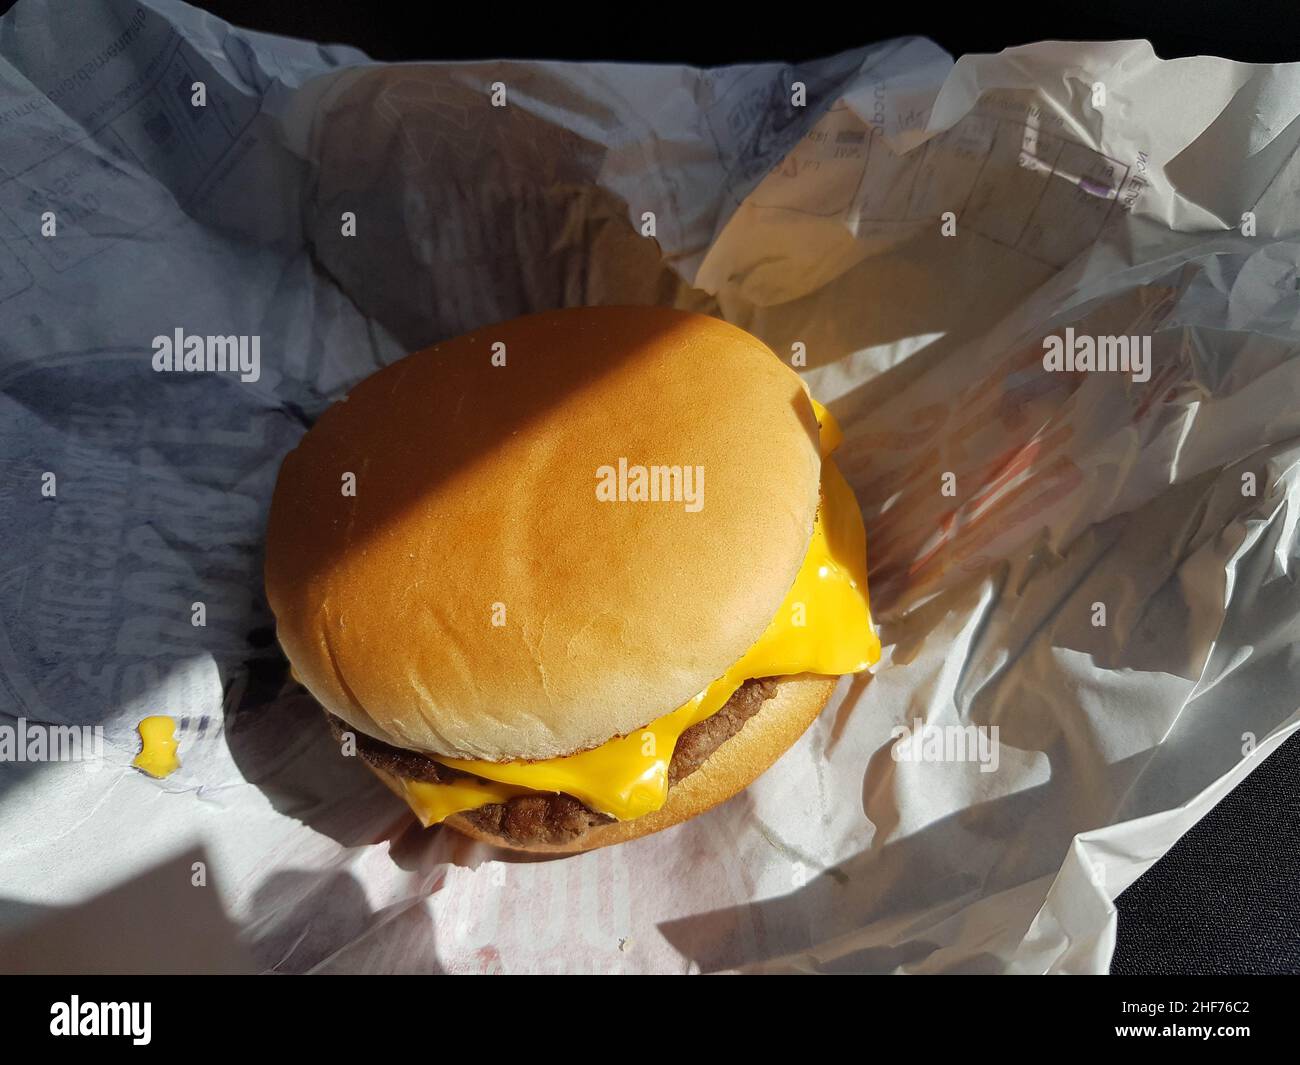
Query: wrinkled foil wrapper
pixel 908 233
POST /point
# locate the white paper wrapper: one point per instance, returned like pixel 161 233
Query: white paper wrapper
pixel 1092 186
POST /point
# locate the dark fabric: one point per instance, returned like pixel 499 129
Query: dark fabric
pixel 1226 898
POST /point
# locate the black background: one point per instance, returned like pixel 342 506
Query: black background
pixel 1226 898
pixel 1256 31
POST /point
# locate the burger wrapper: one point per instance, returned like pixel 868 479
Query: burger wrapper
pixel 1097 566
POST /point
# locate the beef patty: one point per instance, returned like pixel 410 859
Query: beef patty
pixel 555 817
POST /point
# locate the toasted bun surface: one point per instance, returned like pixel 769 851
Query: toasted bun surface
pixel 475 501
pixel 728 771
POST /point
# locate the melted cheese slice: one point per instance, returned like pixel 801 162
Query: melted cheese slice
pixel 823 626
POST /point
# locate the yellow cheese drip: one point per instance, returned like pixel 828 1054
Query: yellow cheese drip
pixel 436 802
pixel 823 626
pixel 157 755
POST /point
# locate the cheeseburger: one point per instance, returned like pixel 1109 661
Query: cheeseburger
pixel 574 578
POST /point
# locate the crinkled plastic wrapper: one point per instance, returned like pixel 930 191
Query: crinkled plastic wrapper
pixel 1100 566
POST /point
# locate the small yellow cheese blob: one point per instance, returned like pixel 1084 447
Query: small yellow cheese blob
pixel 157 755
